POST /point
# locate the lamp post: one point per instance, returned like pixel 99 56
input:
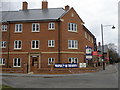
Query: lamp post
pixel 113 27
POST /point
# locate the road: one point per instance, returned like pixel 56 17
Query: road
pixel 102 79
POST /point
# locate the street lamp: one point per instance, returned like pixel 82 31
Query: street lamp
pixel 113 27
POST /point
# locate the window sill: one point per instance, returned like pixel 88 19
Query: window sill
pixel 51 46
pixel 52 29
pixel 72 31
pixel 2 64
pixel 16 66
pixel 3 47
pixel 35 31
pixel 4 31
pixel 17 49
pixel 17 32
pixel 72 48
pixel 35 48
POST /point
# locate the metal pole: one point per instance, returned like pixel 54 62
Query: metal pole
pixel 102 47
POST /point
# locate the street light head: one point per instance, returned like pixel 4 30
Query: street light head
pixel 113 27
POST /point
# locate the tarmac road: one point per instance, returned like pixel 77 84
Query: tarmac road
pixel 103 79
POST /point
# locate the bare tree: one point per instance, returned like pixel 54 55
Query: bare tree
pixel 113 55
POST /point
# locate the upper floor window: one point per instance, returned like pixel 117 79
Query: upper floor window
pixel 3 44
pixel 86 35
pixel 92 40
pixel 89 37
pixel 2 61
pixel 51 61
pixel 18 27
pixel 72 44
pixel 72 27
pixel 35 44
pixel 17 44
pixel 51 43
pixel 17 62
pixel 4 27
pixel 35 27
pixel 51 26
pixel 73 60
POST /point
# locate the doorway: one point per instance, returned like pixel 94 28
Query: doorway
pixel 34 63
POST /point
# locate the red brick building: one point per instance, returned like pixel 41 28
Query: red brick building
pixel 41 37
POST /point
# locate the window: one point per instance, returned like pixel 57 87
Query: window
pixel 3 44
pixel 92 40
pixel 51 61
pixel 72 44
pixel 35 27
pixel 89 38
pixel 51 26
pixel 51 43
pixel 35 44
pixel 4 27
pixel 2 61
pixel 73 60
pixel 17 44
pixel 17 62
pixel 86 35
pixel 72 27
pixel 18 27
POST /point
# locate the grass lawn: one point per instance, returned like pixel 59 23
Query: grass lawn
pixel 5 87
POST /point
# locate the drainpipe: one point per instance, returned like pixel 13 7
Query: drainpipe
pixel 59 40
pixel 8 44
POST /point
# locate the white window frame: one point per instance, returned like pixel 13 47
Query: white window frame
pixel 73 60
pixel 89 37
pixel 35 44
pixel 72 27
pixel 92 40
pixel 86 35
pixel 3 44
pixel 4 28
pixel 16 62
pixel 36 27
pixel 18 28
pixel 18 42
pixel 51 26
pixel 51 43
pixel 2 61
pixel 51 61
pixel 72 44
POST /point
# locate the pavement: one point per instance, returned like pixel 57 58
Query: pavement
pixel 102 79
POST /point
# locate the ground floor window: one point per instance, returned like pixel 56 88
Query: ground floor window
pixel 2 61
pixel 17 62
pixel 51 61
pixel 73 60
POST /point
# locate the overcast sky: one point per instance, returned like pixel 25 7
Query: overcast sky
pixel 93 13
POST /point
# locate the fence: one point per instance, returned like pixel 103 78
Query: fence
pixel 47 69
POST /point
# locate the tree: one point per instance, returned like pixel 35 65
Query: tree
pixel 113 55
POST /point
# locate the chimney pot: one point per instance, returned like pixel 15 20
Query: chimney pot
pixel 25 5
pixel 67 7
pixel 99 44
pixel 44 4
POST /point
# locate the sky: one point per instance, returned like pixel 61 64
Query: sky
pixel 92 12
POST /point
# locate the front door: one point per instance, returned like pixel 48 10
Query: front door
pixel 34 63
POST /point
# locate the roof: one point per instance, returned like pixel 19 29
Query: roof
pixel 33 14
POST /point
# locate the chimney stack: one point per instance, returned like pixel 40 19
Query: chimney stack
pixel 99 44
pixel 67 7
pixel 44 4
pixel 25 5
